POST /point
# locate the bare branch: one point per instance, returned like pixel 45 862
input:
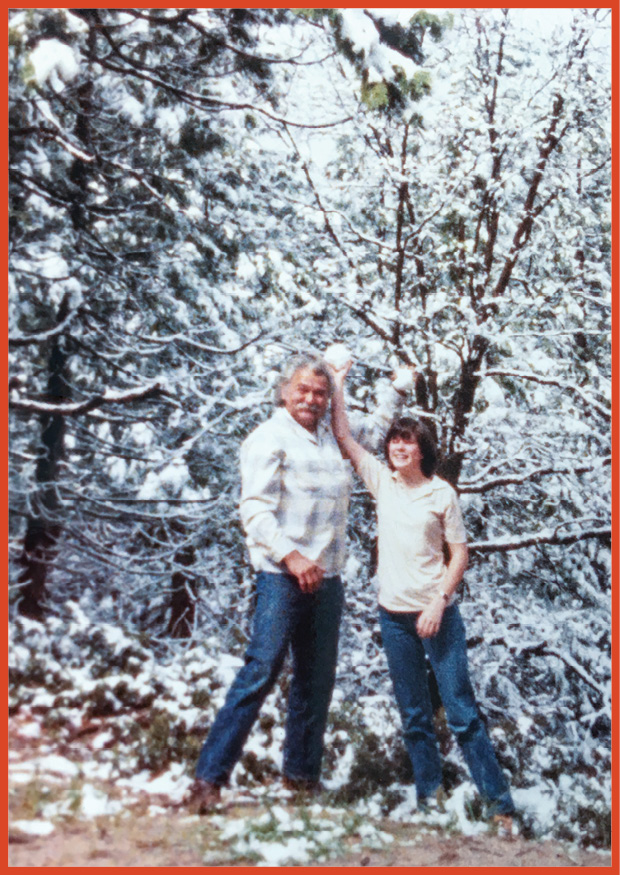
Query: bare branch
pixel 546 536
pixel 216 350
pixel 552 381
pixel 200 100
pixel 27 339
pixel 106 397
pixel 583 674
pixel 516 479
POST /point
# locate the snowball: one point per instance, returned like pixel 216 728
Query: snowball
pixel 337 355
pixel 403 379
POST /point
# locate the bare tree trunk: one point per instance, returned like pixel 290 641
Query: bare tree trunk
pixel 183 599
pixel 43 526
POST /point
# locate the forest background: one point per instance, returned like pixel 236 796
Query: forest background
pixel 195 194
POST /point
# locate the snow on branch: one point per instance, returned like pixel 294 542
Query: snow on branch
pixel 201 101
pixel 543 649
pixel 545 536
pixel 516 479
pixel 580 671
pixel 551 381
pixel 106 397
pixel 60 135
pixel 216 350
pixel 25 339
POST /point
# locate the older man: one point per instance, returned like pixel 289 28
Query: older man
pixel 294 501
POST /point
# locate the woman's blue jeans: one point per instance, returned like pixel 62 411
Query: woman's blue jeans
pixel 308 624
pixel 447 652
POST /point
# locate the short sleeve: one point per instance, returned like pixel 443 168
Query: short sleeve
pixel 454 529
pixel 371 470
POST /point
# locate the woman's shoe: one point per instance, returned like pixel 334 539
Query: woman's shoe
pixel 504 825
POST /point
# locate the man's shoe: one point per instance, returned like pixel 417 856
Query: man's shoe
pixel 203 796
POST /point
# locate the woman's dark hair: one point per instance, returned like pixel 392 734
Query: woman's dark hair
pixel 411 429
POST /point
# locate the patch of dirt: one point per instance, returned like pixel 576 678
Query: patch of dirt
pixel 176 840
pixel 148 841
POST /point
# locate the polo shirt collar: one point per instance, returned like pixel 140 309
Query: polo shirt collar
pixel 417 491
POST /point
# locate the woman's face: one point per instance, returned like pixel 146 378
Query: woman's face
pixel 404 454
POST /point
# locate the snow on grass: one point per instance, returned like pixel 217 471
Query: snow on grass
pixel 458 806
pixel 279 837
pixel 34 827
pixel 30 729
pixel 539 803
pixel 173 783
pixel 51 765
pixel 85 803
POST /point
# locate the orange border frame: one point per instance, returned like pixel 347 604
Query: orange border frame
pixel 615 363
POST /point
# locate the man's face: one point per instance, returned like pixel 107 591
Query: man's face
pixel 306 397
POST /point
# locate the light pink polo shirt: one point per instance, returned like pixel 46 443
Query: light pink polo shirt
pixel 414 523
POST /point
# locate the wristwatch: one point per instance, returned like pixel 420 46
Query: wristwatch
pixel 444 595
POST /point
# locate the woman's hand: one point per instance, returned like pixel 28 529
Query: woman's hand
pixel 429 621
pixel 340 374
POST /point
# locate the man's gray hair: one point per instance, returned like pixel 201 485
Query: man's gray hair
pixel 310 360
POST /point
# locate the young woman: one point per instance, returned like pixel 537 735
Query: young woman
pixel 418 514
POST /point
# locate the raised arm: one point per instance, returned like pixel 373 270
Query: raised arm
pixel 370 429
pixel 349 447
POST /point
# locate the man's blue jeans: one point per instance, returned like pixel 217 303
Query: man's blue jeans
pixel 447 652
pixel 308 624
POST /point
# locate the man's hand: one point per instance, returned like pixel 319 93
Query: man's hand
pixel 430 619
pixel 309 575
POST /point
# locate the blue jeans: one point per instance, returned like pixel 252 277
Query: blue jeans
pixel 308 623
pixel 447 652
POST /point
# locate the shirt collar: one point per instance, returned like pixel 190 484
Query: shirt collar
pixel 285 417
pixel 417 491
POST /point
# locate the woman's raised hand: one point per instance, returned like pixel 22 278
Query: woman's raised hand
pixel 339 360
pixel 340 374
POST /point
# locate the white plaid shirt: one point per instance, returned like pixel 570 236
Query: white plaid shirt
pixel 295 489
